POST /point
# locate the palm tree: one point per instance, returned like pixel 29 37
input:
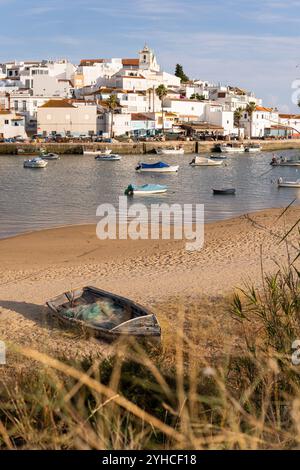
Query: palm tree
pixel 251 107
pixel 238 113
pixel 112 103
pixel 162 92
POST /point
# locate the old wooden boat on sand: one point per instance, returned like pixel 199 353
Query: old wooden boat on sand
pixel 105 315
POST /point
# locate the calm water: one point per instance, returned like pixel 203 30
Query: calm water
pixel 69 190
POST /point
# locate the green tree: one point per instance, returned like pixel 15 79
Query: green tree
pixel 238 113
pixel 180 73
pixel 162 92
pixel 197 96
pixel 251 107
pixel 112 103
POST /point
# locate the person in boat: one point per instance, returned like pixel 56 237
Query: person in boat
pixel 274 160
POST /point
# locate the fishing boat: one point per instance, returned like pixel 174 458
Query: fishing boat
pixel 37 162
pixel 105 315
pixel 252 148
pixel 204 161
pixel 224 191
pixel 108 158
pixel 49 156
pixel 145 190
pixel 288 184
pixel 218 157
pixel 284 162
pixel 170 151
pixel 159 167
pixel 95 153
pixel 232 148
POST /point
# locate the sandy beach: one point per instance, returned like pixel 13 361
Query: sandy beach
pixel 159 274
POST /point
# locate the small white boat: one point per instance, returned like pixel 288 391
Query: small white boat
pixel 288 184
pixel 203 161
pixel 159 167
pixel 49 156
pixel 145 190
pixel 170 151
pixel 108 158
pixel 95 153
pixel 252 148
pixel 232 148
pixel 35 163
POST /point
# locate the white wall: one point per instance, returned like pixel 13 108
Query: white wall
pixel 10 127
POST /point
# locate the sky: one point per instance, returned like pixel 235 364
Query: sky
pixel 253 44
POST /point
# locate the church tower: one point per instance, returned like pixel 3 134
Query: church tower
pixel 147 60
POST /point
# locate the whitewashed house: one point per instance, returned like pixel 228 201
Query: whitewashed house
pixel 290 124
pixel 11 125
pixel 264 122
pixel 68 118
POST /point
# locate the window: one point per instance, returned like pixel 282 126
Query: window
pixel 16 105
pixel 245 116
pixel 6 121
pixel 24 106
pixel 145 57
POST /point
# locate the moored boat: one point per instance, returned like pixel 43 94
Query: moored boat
pixel 170 151
pixel 232 148
pixel 158 167
pixel 108 158
pixel 95 153
pixel 252 148
pixel 204 161
pixel 224 191
pixel 105 315
pixel 288 184
pixel 145 190
pixel 35 163
pixel 49 156
pixel 284 162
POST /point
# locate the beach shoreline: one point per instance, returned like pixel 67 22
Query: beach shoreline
pixel 159 274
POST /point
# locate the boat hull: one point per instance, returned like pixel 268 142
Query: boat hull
pixel 201 161
pixel 170 169
pixel 224 192
pixel 35 164
pixel 252 149
pixel 94 153
pixel 169 152
pixel 108 158
pixel 133 321
pixel 225 149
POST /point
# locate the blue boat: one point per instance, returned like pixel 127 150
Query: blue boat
pixel 158 167
pixel 145 189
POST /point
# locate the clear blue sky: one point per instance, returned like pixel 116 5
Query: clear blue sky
pixel 253 43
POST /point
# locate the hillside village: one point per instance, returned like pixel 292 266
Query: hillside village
pixel 128 97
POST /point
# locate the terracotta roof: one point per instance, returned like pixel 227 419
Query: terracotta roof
pixel 57 104
pixel 262 108
pixel 86 62
pixel 132 62
pixel 4 111
pixel 278 127
pixel 141 117
pixel 290 116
